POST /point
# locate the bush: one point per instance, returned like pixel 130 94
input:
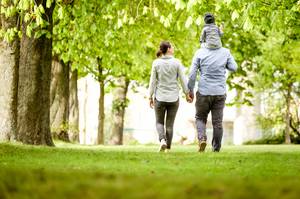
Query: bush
pixel 276 139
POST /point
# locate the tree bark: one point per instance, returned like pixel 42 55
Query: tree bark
pixel 34 86
pixel 9 66
pixel 118 110
pixel 73 108
pixel 85 112
pixel 59 99
pixel 101 115
pixel 288 115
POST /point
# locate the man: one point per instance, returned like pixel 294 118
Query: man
pixel 211 93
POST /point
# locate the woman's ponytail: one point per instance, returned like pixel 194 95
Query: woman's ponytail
pixel 159 53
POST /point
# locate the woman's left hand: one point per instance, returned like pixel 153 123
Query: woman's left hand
pixel 151 102
pixel 189 98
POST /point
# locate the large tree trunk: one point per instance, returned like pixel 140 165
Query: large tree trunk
pixel 101 115
pixel 118 110
pixel 59 100
pixel 288 115
pixel 85 112
pixel 9 66
pixel 73 108
pixel 34 86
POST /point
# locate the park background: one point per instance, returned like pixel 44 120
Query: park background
pixel 74 76
pixel 77 70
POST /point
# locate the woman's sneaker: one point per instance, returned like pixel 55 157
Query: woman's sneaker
pixel 163 145
pixel 202 145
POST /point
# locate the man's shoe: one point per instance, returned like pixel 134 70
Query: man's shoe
pixel 202 145
pixel 163 145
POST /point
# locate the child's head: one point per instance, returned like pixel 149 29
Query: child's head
pixel 209 18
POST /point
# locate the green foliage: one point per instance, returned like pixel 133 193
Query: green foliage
pixel 124 35
pixel 272 121
pixel 8 34
pixel 32 14
pixel 277 139
pixel 118 105
pixel 64 127
pixel 87 32
pixel 277 73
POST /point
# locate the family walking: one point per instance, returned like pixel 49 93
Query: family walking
pixel 211 61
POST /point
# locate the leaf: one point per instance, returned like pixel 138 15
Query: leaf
pixel 191 3
pixel 10 11
pixel 48 35
pixel 24 4
pixel 20 34
pixel 234 15
pixel 167 22
pixel 198 21
pixel 145 10
pixel 119 24
pixel 179 4
pixel 189 22
pixel 125 18
pixel 27 17
pixel 28 31
pixel 41 9
pixel 131 21
pixel 48 3
pixel 155 12
pixel 39 20
pixel 228 1
pixel 60 12
pixel 93 28
pixel 248 25
pixel 170 16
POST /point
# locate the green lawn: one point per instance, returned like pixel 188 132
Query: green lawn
pixel 73 171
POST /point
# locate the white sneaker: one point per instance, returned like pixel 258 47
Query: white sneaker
pixel 163 145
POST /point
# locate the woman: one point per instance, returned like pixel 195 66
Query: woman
pixel 164 92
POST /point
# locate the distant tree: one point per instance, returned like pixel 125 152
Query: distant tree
pixel 277 72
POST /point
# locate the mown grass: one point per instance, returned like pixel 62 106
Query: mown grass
pixel 73 171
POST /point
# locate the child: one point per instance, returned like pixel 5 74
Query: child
pixel 211 34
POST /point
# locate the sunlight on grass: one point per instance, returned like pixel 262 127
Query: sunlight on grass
pixel 140 172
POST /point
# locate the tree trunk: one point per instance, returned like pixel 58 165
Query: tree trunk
pixel 9 66
pixel 73 108
pixel 85 112
pixel 34 86
pixel 118 110
pixel 101 115
pixel 59 100
pixel 288 115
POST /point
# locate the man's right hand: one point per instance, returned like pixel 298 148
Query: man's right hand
pixel 191 96
pixel 188 99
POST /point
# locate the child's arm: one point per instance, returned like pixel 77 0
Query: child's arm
pixel 203 36
pixel 221 32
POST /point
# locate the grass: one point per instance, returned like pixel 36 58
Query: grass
pixel 73 171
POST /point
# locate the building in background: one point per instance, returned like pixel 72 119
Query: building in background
pixel 239 123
